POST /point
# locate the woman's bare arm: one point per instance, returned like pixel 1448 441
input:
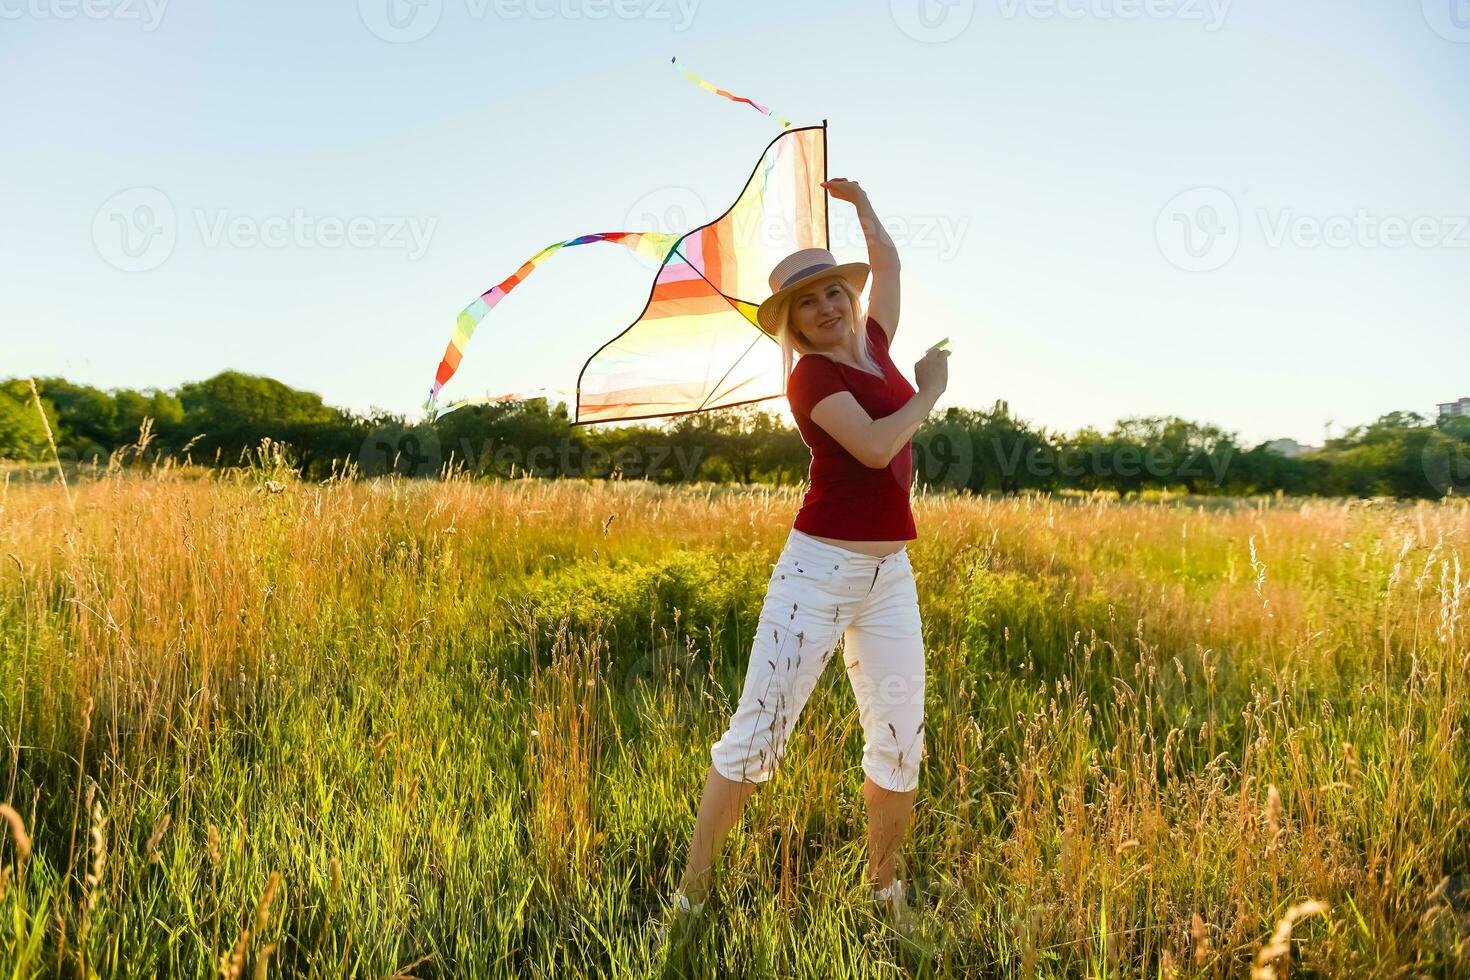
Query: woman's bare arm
pixel 883 298
pixel 872 442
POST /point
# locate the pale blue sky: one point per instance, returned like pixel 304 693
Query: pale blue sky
pixel 1029 154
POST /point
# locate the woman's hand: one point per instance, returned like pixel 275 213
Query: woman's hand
pixel 932 371
pixel 843 189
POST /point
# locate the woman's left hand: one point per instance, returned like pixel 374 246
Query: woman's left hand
pixel 844 190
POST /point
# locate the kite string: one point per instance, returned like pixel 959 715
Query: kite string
pixel 785 123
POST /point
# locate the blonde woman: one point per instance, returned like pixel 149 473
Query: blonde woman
pixel 844 571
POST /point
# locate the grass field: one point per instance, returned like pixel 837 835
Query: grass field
pixel 459 729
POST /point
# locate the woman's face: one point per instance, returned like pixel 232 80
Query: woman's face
pixel 821 314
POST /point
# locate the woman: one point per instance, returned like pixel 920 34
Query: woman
pixel 845 569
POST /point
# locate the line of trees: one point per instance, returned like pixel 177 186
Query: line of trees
pixel 222 420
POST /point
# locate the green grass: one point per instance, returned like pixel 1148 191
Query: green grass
pixel 467 726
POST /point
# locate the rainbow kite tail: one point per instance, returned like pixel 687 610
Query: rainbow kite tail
pixel 655 245
pixel 764 110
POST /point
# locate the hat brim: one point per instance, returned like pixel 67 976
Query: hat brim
pixel 768 313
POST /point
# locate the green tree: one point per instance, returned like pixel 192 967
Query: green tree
pixel 1005 453
pixel 86 417
pixel 164 408
pixel 1385 458
pixel 1170 452
pixel 232 412
pixel 513 437
pixel 22 436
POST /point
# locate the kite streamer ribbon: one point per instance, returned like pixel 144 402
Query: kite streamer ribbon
pixel 728 95
pixel 655 245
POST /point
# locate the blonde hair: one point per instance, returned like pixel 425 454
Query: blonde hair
pixel 857 346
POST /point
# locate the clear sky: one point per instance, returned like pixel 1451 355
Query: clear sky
pixel 1252 213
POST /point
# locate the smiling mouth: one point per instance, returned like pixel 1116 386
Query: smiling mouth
pixel 827 324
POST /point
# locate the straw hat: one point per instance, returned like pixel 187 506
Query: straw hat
pixel 799 269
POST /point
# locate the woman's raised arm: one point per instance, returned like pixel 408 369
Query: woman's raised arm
pixel 882 254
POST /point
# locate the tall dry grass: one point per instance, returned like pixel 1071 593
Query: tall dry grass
pixel 459 729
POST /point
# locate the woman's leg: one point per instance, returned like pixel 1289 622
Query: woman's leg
pixel 800 621
pixel 778 681
pixel 888 819
pixel 719 808
pixel 885 663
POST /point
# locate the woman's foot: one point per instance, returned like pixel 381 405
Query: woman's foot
pixel 675 926
pixel 683 906
pixel 893 905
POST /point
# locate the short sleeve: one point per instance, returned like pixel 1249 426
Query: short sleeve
pixel 813 378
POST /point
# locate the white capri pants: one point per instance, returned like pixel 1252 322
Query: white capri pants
pixel 818 593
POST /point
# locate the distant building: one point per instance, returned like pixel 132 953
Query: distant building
pixel 1453 410
pixel 1290 448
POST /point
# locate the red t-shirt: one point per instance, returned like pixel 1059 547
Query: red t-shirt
pixel 847 500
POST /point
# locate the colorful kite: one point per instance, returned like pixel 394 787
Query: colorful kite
pixel 696 345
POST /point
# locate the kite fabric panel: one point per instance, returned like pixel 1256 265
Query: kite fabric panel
pixel 696 346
